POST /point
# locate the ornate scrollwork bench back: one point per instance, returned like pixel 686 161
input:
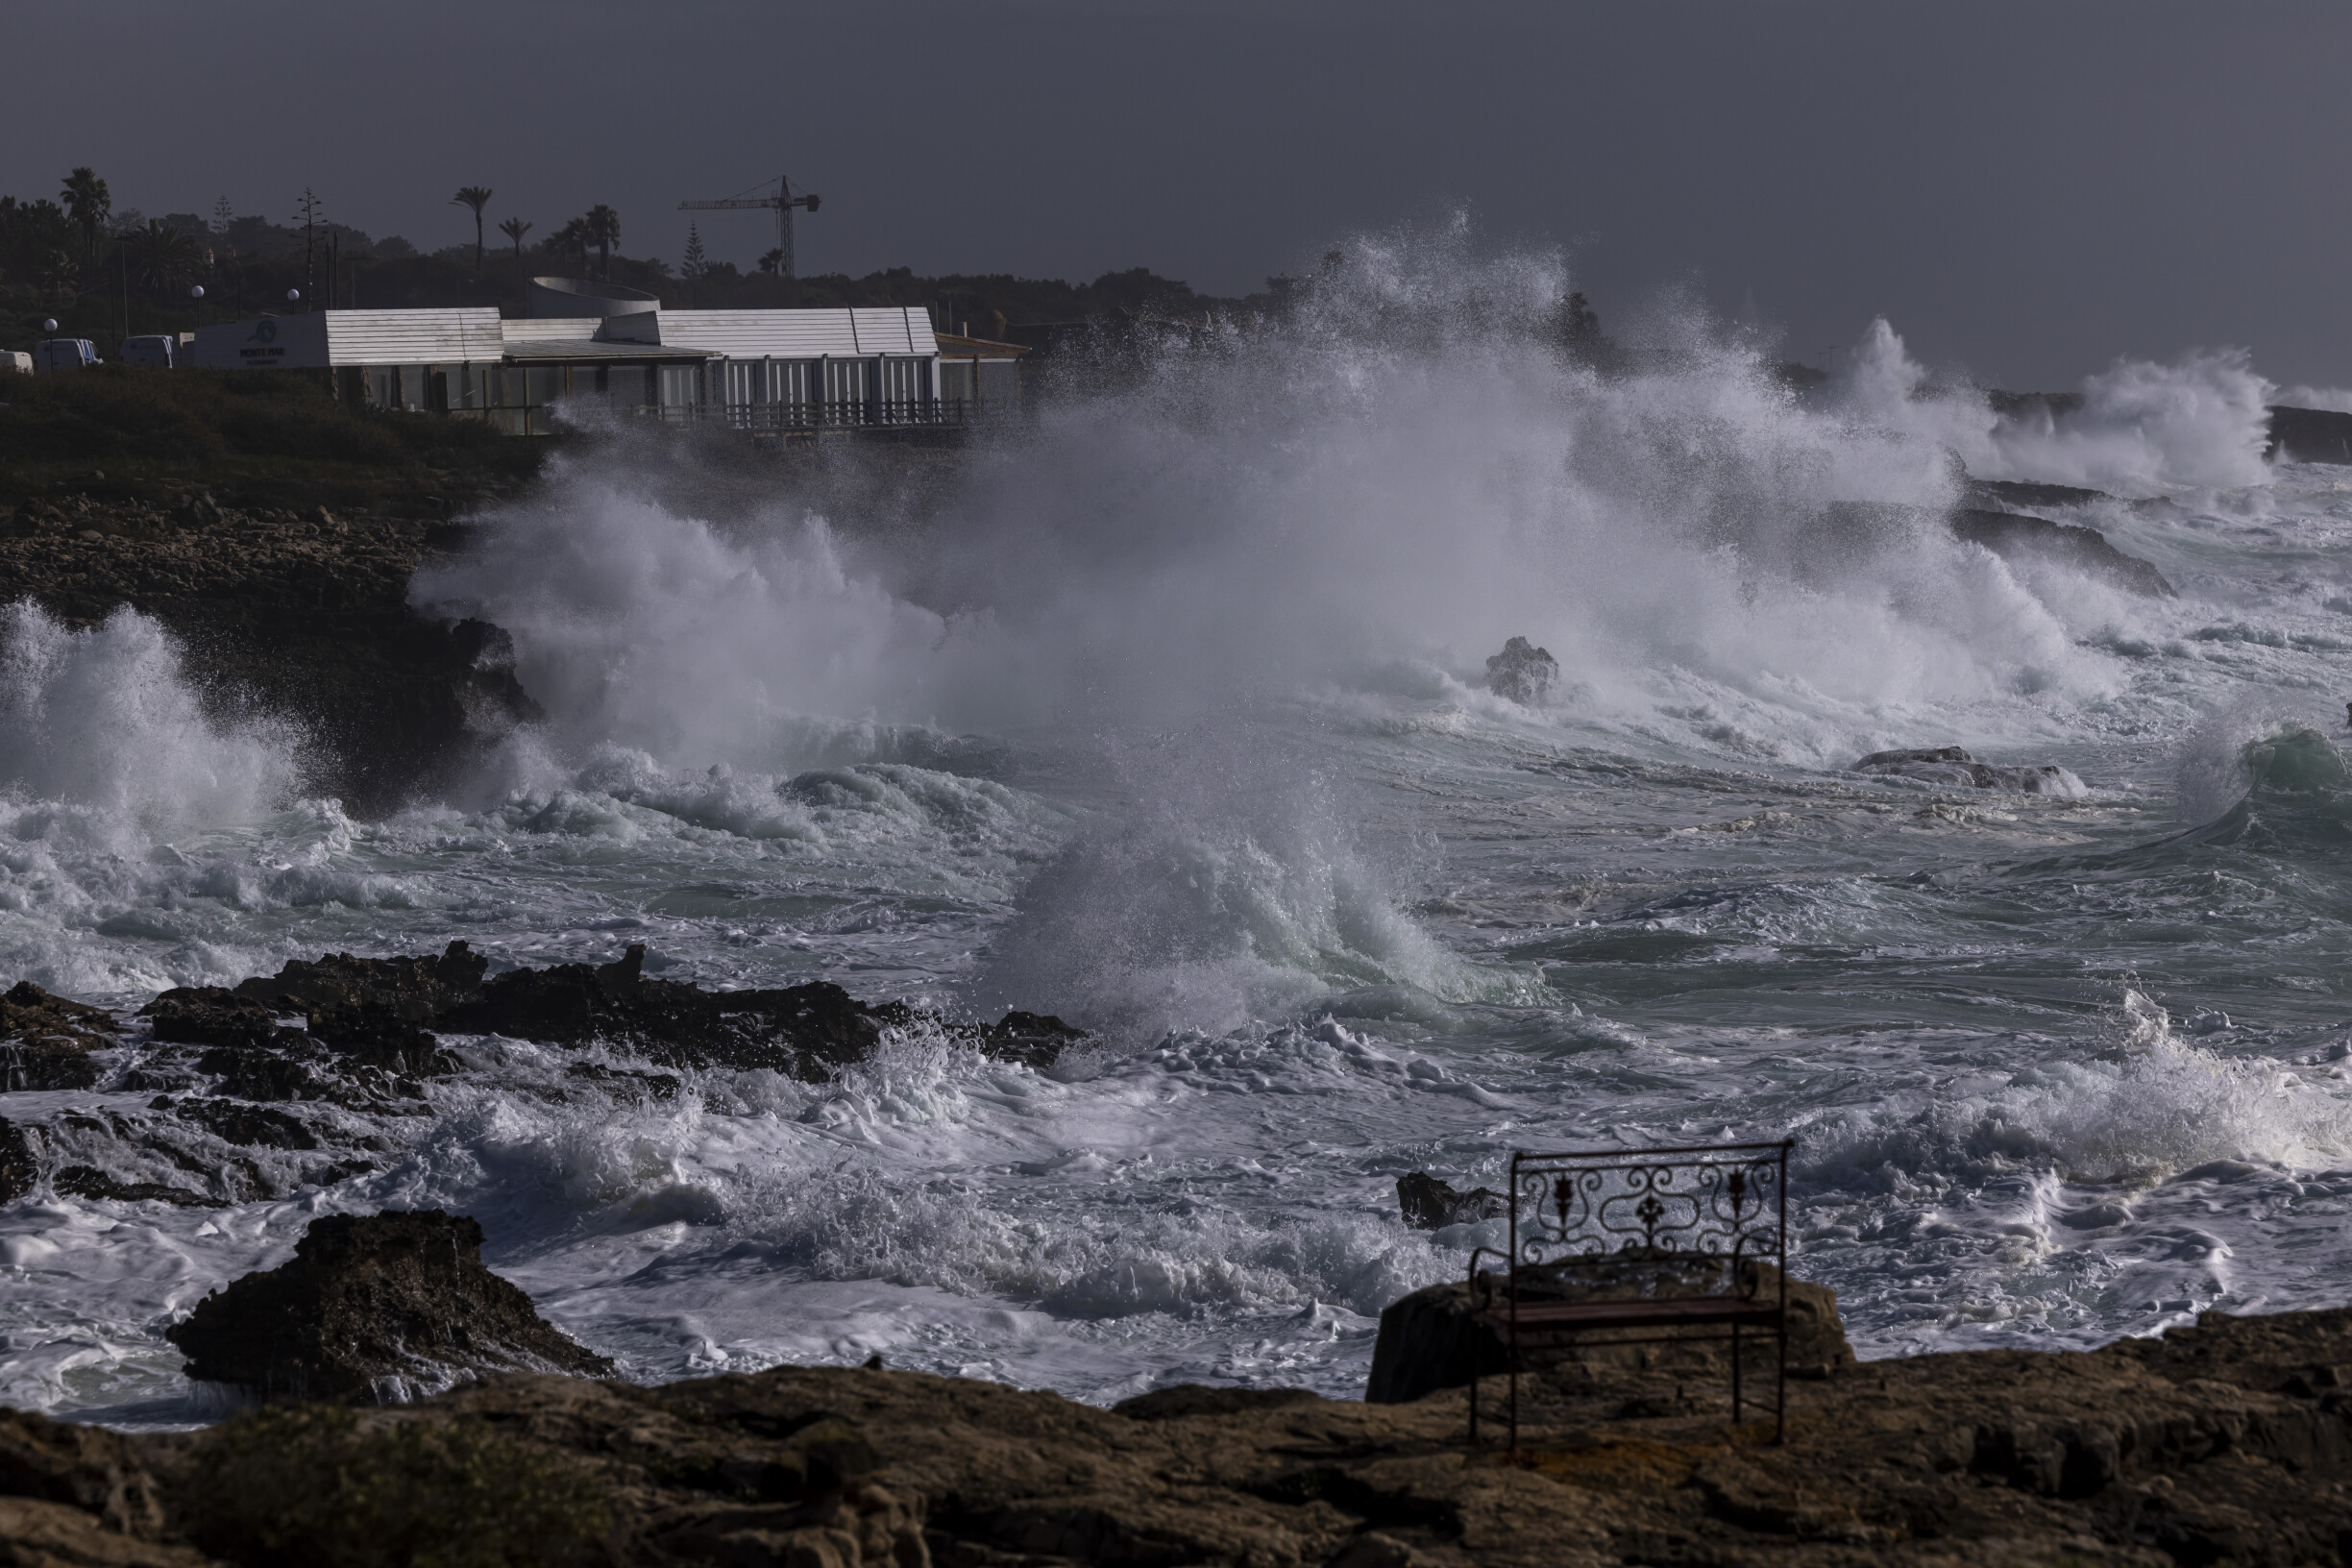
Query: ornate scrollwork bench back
pixel 1668 1239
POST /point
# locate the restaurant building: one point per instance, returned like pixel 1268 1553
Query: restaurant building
pixel 599 346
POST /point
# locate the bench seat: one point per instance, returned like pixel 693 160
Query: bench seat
pixel 1629 1313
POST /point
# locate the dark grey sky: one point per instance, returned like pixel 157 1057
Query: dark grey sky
pixel 2027 189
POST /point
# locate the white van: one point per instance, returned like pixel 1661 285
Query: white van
pixel 65 353
pixel 160 353
pixel 15 359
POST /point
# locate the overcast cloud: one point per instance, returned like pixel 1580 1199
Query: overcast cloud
pixel 2028 189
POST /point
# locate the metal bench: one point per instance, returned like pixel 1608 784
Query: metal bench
pixel 1664 1240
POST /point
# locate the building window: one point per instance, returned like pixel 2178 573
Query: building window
pixel 545 383
pixel 629 386
pixel 412 388
pixel 463 384
pixel 677 385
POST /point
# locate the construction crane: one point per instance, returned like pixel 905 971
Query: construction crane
pixel 783 201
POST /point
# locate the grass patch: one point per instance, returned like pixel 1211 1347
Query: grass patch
pixel 262 436
pixel 310 1485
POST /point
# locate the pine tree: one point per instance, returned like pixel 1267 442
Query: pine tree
pixel 223 215
pixel 695 259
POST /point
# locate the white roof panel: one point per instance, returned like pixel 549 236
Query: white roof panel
pixel 531 329
pixel 413 337
pixel 799 335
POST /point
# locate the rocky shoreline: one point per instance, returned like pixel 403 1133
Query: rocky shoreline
pixel 293 1068
pixel 2222 1442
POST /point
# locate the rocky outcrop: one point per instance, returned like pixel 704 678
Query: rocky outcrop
pixel 2310 436
pixel 47 1041
pixel 2221 1442
pixel 1432 1338
pixel 1429 1204
pixel 1952 768
pixel 2016 537
pixel 2006 495
pixel 1522 673
pixel 301 612
pixel 373 1308
pixel 254 1087
pixel 375 1019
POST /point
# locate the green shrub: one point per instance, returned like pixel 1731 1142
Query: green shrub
pixel 307 1486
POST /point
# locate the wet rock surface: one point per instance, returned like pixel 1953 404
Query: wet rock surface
pixel 2016 537
pixel 2310 436
pixel 1429 1204
pixel 1952 768
pixel 47 1041
pixel 281 1080
pixel 301 613
pixel 1522 673
pixel 373 1308
pixel 2006 495
pixel 2222 1442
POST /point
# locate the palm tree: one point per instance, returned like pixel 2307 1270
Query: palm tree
pixel 87 204
pixel 162 257
pixel 604 232
pixel 515 229
pixel 476 197
pixel 572 239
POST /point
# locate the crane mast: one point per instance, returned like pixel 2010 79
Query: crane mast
pixel 783 201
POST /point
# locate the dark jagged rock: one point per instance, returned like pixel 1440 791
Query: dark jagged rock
pixel 249 1126
pixel 2013 536
pixel 307 611
pixel 412 989
pixel 19 1165
pixel 2310 436
pixel 807 1031
pixel 1032 1039
pixel 1431 1339
pixel 215 1016
pixel 89 1182
pixel 255 1068
pixel 1430 1204
pixel 1522 672
pixel 371 1307
pixel 47 1041
pixel 2009 493
pixel 377 1038
pixel 1953 768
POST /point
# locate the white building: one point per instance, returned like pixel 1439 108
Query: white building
pixel 588 344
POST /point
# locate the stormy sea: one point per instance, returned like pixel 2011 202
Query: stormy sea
pixel 1169 712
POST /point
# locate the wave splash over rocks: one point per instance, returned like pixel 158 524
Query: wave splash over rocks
pixel 1170 715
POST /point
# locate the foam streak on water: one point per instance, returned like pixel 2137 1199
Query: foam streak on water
pixel 1171 719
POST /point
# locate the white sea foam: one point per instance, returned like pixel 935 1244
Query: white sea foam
pixel 2139 427
pixel 1169 714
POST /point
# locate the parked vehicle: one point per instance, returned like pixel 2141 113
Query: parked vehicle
pixel 65 353
pixel 158 352
pixel 17 361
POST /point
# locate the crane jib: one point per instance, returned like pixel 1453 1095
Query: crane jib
pixel 783 203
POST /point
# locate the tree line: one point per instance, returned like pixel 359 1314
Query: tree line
pixel 99 271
